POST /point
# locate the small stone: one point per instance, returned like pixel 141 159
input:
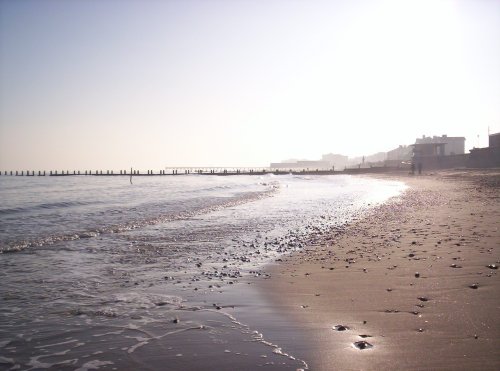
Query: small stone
pixel 417 275
pixel 474 286
pixel 361 345
pixel 340 328
pixel 492 266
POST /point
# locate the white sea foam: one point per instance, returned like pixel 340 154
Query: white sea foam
pixel 93 365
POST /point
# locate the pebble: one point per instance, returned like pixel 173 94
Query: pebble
pixel 340 328
pixel 361 345
pixel 417 275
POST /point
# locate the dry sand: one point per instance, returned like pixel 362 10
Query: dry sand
pixel 413 277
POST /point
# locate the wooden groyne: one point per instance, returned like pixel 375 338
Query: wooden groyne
pixel 197 171
pixel 165 172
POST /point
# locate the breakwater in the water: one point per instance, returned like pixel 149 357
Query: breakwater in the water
pixel 201 171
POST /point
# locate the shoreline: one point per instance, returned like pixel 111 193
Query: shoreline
pixel 412 278
pixel 282 315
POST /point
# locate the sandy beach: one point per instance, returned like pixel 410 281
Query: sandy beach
pixel 414 286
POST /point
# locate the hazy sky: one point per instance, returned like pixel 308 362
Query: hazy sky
pixel 113 84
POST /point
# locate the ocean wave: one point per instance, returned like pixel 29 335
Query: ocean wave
pixel 242 198
pixel 46 206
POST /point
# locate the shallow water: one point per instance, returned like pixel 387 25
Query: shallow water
pixel 100 274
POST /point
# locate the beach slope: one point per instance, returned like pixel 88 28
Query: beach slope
pixel 414 286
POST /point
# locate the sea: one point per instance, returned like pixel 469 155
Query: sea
pixel 99 273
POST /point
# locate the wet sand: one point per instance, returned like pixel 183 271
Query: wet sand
pixel 414 286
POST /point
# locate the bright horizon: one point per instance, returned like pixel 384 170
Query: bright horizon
pixel 150 84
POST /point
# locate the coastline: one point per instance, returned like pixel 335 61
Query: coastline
pixel 412 277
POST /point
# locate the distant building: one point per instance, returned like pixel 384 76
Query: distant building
pixel 486 157
pixel 334 160
pixel 452 145
pixel 440 152
pixel 421 150
pixel 494 140
pixel 400 154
